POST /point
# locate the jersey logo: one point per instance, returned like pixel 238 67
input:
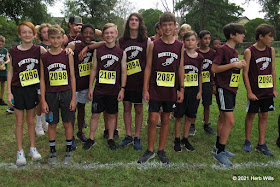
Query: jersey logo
pixel 168 61
pixel 109 63
pixel 30 67
pixel 264 65
pixel 133 54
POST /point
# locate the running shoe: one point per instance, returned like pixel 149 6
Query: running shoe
pixel 52 158
pixel 112 145
pixel 68 157
pixel 21 160
pixel 162 157
pixel 208 129
pixel 34 154
pixel 192 130
pixel 263 149
pixel 89 143
pixel 137 143
pixel 185 142
pixel 247 146
pixel 223 159
pixel 126 141
pixel 177 145
pixel 81 136
pixel 146 156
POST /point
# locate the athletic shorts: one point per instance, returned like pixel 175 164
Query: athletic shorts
pixel 82 96
pixel 225 100
pixel 262 105
pixel 25 98
pixel 207 91
pixel 3 78
pixel 60 100
pixel 161 106
pixel 133 97
pixel 189 105
pixel 108 103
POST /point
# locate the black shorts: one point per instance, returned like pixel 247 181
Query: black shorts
pixel 108 103
pixel 262 105
pixel 133 97
pixel 25 98
pixel 189 105
pixel 3 78
pixel 62 100
pixel 161 106
pixel 207 90
pixel 225 100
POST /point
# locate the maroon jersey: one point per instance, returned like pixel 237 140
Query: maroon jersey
pixel 24 61
pixel 227 79
pixel 166 58
pixel 74 39
pixel 82 67
pixel 56 72
pixel 208 60
pixel 193 65
pixel 136 62
pixel 108 69
pixel 260 64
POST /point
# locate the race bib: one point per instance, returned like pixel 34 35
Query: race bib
pixel 205 76
pixel 165 79
pixel 29 77
pixel 107 77
pixel 58 78
pixel 265 81
pixel 234 80
pixel 191 79
pixel 133 67
pixel 85 69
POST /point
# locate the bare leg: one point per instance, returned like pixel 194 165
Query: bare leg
pixel 248 125
pixel 138 118
pixel 262 127
pixel 153 120
pixel 19 127
pixel 163 129
pixel 30 114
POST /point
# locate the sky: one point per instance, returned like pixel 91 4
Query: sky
pixel 252 10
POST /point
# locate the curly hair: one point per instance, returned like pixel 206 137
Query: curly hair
pixel 43 25
pixel 142 32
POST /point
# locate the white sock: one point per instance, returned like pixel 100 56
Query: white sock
pixel 38 119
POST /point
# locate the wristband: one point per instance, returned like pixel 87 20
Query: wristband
pixel 182 87
pixel 123 87
pixel 88 47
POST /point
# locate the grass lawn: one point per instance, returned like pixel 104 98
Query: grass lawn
pixel 103 167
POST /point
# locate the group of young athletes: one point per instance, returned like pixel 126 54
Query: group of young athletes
pixel 169 74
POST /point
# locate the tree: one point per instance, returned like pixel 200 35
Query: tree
pixel 211 15
pixel 9 31
pixel 32 10
pixel 251 28
pixel 151 17
pixel 96 12
pixel 272 8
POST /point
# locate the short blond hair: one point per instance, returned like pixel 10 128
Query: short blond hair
pixel 185 27
pixel 2 39
pixel 39 29
pixel 55 30
pixel 108 25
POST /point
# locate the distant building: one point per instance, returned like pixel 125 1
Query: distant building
pixel 242 20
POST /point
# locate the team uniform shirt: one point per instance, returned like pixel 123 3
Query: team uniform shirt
pixel 207 76
pixel 164 74
pixel 108 76
pixel 260 72
pixel 3 54
pixel 56 72
pixel 192 67
pixel 135 62
pixel 82 68
pixel 74 39
pixel 26 66
pixel 229 79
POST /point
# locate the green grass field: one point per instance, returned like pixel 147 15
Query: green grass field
pixel 103 167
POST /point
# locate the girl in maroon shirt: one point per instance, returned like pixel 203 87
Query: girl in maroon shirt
pixel 22 92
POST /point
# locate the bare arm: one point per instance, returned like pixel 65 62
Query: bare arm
pixel 9 82
pixel 91 46
pixel 247 57
pixel 7 58
pixel 92 75
pixel 42 50
pixel 275 93
pixel 149 41
pixel 180 94
pixel 221 68
pixel 199 94
pixel 147 73
pixel 72 106
pixel 123 77
pixel 97 33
